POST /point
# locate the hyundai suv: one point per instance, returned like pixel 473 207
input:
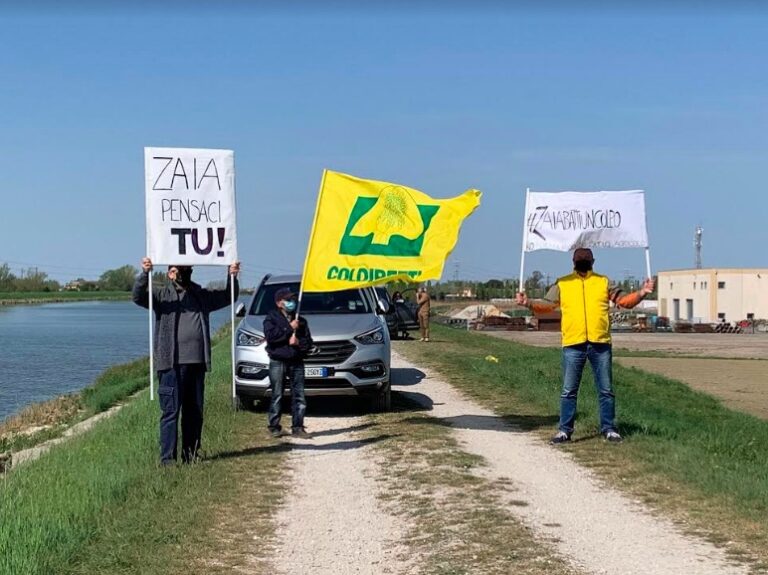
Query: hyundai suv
pixel 351 352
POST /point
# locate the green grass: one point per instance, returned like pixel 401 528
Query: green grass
pixel 62 296
pixel 684 451
pixel 100 503
pixel 114 385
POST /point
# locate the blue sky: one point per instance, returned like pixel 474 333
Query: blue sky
pixel 673 101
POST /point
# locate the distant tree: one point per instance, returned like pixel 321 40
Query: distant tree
pixel 159 278
pixel 120 279
pixel 494 284
pixel 32 279
pixel 7 279
pixel 534 285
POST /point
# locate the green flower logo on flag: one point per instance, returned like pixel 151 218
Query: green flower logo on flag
pixel 391 225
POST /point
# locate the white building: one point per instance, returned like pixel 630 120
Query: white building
pixel 711 295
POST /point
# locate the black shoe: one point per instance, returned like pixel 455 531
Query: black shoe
pixel 560 437
pixel 613 437
pixel 301 433
pixel 275 431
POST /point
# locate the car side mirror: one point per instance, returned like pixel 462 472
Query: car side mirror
pixel 240 310
pixel 382 305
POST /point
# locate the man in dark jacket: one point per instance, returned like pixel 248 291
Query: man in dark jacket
pixel 182 351
pixel 288 341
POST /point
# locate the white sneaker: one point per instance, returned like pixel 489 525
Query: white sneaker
pixel 613 437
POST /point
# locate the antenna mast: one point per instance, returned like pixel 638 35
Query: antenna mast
pixel 697 245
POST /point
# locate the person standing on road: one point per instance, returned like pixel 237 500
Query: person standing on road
pixel 423 301
pixel 583 298
pixel 288 341
pixel 182 351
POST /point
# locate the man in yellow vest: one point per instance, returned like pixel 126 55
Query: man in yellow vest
pixel 583 298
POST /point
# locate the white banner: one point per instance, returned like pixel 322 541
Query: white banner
pixel 190 202
pixel 568 220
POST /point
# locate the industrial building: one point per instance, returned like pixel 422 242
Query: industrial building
pixel 713 295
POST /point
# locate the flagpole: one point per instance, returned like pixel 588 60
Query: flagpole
pixel 232 313
pixel 648 262
pixel 151 341
pixel 522 250
pixel 309 244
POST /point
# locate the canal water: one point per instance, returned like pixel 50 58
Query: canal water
pixel 53 349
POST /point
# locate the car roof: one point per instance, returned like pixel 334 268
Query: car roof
pixel 287 278
pixel 284 279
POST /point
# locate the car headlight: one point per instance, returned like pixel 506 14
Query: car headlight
pixel 247 338
pixel 371 337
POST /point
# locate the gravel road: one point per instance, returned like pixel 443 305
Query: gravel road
pixel 332 522
pixel 598 529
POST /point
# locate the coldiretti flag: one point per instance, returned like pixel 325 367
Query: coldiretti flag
pixel 367 232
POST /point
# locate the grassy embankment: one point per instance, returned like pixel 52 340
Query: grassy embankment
pixel 10 298
pixel 46 420
pixel 685 454
pixel 100 503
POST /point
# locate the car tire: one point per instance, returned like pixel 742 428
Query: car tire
pixel 381 402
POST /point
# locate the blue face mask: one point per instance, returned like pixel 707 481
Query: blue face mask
pixel 289 305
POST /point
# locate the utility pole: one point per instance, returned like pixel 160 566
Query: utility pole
pixel 697 245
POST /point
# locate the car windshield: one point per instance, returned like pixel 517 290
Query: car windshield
pixel 338 302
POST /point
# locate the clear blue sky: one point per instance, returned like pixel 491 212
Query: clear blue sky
pixel 673 101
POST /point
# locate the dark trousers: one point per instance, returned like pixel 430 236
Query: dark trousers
pixel 181 393
pixel 278 370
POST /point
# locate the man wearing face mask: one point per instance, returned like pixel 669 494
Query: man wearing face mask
pixel 583 298
pixel 182 351
pixel 288 341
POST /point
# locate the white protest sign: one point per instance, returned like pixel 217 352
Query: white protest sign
pixel 190 203
pixel 567 220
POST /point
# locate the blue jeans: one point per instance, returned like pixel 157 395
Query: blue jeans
pixel 181 393
pixel 600 356
pixel 278 370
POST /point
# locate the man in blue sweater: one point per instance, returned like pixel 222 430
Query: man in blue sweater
pixel 182 351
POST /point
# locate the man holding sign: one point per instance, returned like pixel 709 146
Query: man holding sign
pixel 190 215
pixel 583 298
pixel 182 351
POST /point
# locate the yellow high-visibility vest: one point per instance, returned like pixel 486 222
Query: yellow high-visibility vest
pixel 584 306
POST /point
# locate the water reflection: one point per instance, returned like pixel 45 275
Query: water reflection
pixel 52 349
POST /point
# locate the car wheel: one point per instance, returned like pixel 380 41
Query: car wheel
pixel 382 402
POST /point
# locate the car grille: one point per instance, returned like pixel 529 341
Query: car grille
pixel 331 352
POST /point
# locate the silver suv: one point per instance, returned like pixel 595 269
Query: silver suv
pixel 351 353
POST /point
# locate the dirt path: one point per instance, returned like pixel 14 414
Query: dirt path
pixel 740 384
pixel 332 522
pixel 744 346
pixel 598 529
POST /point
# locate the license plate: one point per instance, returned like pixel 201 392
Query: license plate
pixel 315 371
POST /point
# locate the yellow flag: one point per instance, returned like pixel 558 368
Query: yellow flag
pixel 367 232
